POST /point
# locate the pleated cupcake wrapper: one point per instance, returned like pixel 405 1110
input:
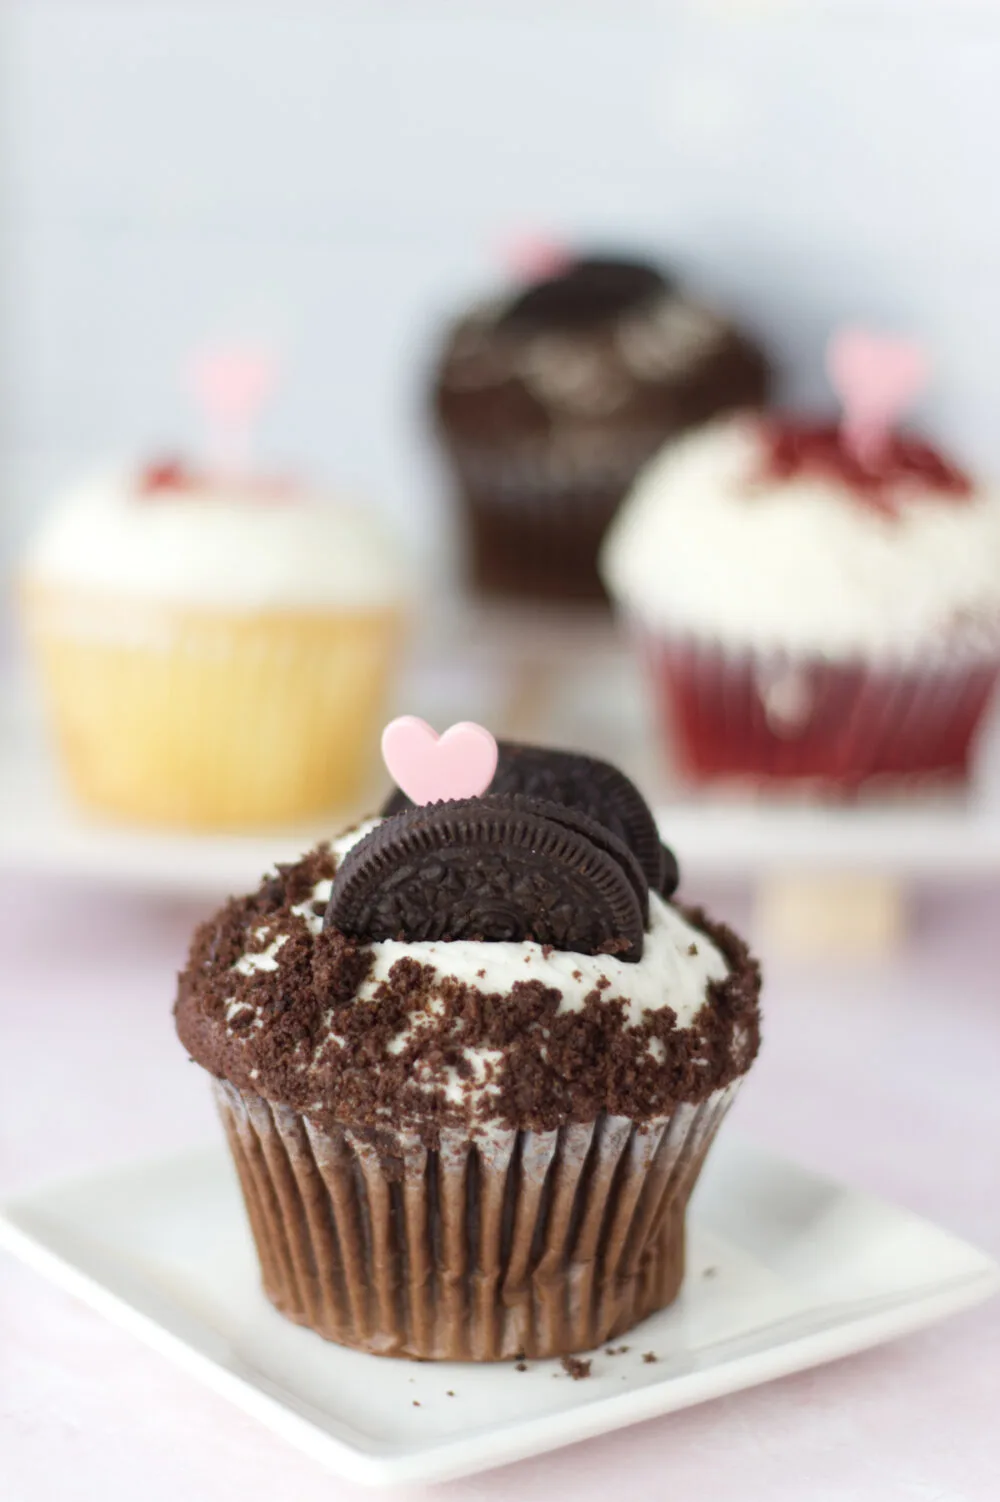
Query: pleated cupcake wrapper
pixel 786 715
pixel 533 1243
pixel 578 464
pixel 536 516
pixel 206 719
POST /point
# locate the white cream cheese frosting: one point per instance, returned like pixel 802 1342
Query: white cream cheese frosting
pixel 705 546
pixel 678 964
pixel 221 545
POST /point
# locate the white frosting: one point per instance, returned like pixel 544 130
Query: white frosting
pixel 229 547
pixel 667 975
pixel 678 963
pixel 265 959
pixel 568 372
pixel 702 546
pixel 674 338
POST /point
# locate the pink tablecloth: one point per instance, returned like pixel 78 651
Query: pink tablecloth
pixel 885 1074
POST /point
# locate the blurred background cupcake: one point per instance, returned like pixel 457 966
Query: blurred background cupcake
pixel 548 401
pixel 215 651
pixel 815 601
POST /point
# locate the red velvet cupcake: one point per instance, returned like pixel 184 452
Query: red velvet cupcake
pixel 810 609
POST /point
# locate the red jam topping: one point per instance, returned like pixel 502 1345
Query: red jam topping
pixel 166 476
pixel 816 450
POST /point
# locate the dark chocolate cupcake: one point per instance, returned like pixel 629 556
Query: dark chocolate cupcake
pixel 549 402
pixel 470 1061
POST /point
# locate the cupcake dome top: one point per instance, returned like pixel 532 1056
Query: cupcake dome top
pixel 586 294
pixel 765 532
pixel 177 536
pixel 530 982
pixel 603 338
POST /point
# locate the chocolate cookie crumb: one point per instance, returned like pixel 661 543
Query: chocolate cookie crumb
pixel 576 1368
pixel 520 1366
pixel 311 1044
pixel 481 974
pixel 415 1403
pixel 649 1357
pixel 614 946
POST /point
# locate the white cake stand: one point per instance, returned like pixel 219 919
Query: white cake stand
pixel 554 678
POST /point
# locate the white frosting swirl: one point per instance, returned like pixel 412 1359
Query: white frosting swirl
pixel 221 546
pixel 677 965
pixel 704 546
pixel 670 341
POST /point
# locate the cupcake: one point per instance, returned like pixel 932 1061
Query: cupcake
pixel 811 605
pixel 470 1059
pixel 215 653
pixel 549 401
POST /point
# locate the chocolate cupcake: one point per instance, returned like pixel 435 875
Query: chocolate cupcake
pixel 549 402
pixel 469 1063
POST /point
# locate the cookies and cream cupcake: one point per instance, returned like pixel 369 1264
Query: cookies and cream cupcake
pixel 548 401
pixel 811 603
pixel 215 650
pixel 470 1057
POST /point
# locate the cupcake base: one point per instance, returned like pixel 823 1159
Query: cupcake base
pixel 536 514
pixel 543 548
pixel 776 718
pixel 197 719
pixel 513 1244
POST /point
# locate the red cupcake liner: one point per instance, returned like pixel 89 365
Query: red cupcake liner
pixel 775 716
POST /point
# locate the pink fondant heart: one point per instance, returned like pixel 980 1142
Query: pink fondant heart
pixel 534 258
pixel 233 383
pixel 876 378
pixel 231 386
pixel 434 769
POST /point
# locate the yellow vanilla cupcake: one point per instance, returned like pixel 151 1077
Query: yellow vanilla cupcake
pixel 215 653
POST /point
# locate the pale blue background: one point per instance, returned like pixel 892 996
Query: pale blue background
pixel 330 177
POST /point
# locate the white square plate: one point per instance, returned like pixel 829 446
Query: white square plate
pixel 786 1270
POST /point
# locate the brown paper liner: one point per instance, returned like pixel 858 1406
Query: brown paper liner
pixel 535 517
pixel 533 1243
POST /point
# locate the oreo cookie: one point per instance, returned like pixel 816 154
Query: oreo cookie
pixel 576 819
pixel 494 869
pixel 670 872
pixel 573 780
